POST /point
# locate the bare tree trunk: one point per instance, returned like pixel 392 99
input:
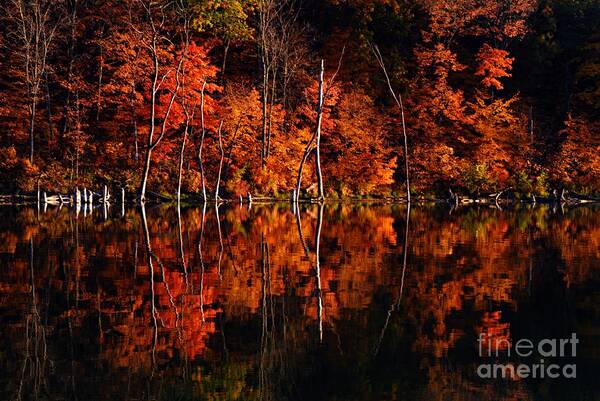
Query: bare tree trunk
pixel 154 90
pixel 398 100
pixel 232 143
pixel 78 133
pixel 307 151
pixel 49 109
pixel 72 39
pixel 220 163
pixel 100 76
pixel 149 147
pixel 265 96
pixel 151 143
pixel 270 113
pixel 188 109
pixel 223 65
pixel 34 27
pixel 284 86
pixel 134 120
pixel 144 183
pixel 181 153
pixel 318 132
pixel 202 178
pixel 32 112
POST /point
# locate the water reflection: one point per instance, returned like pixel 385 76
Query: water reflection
pixel 329 302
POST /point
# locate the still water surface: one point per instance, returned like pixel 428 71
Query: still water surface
pixel 341 302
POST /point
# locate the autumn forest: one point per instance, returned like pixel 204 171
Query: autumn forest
pixel 329 98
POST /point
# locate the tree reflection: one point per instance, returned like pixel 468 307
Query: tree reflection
pixel 376 292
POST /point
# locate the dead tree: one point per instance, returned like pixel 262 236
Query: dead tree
pixel 203 134
pixel 189 108
pixel 276 24
pixel 220 162
pixel 267 11
pixel 35 25
pixel 314 144
pixel 318 132
pixel 72 21
pixel 398 99
pixel 154 36
pixel 189 116
pixel 307 151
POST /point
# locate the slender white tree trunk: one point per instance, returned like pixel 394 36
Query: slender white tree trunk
pixel 181 154
pixel 318 133
pixel 202 175
pixel 220 163
pixel 398 100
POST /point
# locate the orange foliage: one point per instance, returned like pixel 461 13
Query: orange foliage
pixel 467 109
pixel 358 152
pixel 577 163
pixel 493 65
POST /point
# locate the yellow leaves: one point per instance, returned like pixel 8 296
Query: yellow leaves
pixel 224 17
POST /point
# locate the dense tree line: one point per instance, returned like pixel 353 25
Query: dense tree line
pixel 226 97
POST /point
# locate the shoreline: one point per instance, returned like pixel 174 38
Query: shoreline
pixel 65 200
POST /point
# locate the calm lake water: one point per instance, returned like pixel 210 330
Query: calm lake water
pixel 340 302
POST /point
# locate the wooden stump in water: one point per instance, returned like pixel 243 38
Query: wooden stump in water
pixel 52 200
